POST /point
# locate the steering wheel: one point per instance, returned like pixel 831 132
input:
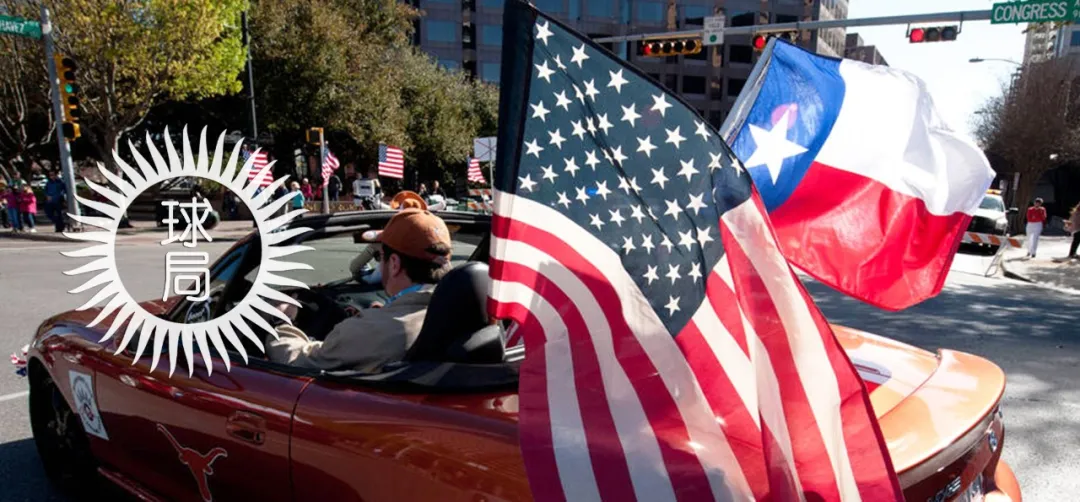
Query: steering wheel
pixel 318 313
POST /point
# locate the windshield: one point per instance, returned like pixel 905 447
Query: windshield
pixel 992 203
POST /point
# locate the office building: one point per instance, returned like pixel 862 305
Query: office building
pixel 854 48
pixel 1046 41
pixel 467 35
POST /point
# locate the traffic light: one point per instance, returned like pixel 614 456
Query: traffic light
pixel 758 43
pixel 314 136
pixel 933 34
pixel 673 47
pixel 69 96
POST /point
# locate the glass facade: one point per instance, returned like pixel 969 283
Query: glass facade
pixel 489 72
pixel 550 6
pixel 491 35
pixel 449 64
pixel 492 3
pixel 650 12
pixel 442 31
pixel 696 11
pixel 1074 40
pixel 599 8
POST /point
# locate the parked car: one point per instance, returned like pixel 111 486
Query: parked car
pixel 442 424
pixel 991 217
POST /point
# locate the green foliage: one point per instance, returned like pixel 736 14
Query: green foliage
pixel 349 66
pixel 25 109
pixel 135 55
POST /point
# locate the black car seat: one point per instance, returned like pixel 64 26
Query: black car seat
pixel 457 328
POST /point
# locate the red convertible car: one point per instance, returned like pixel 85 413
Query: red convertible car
pixel 439 425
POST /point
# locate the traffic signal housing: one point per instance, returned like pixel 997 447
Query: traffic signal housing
pixel 69 96
pixel 760 40
pixel 669 47
pixel 933 34
pixel 314 136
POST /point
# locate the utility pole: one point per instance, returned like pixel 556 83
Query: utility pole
pixel 58 115
pixel 250 76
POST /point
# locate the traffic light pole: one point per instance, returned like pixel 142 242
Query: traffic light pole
pixel 961 16
pixel 58 115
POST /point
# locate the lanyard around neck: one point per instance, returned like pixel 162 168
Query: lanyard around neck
pixel 410 289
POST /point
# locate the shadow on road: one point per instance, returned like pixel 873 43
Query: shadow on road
pixel 21 477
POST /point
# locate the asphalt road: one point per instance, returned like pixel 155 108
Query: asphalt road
pixel 1028 330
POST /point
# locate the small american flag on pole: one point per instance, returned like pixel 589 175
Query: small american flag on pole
pixel 330 164
pixel 391 161
pixel 475 174
pixel 261 161
pixel 671 353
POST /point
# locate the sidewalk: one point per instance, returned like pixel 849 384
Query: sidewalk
pixel 1049 267
pixel 226 231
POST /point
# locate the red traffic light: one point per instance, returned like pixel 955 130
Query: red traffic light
pixel 759 42
pixel 917 35
pixel 933 34
pixel 647 49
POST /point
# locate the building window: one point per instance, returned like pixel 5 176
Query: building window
pixel 599 8
pixel 741 54
pixel 716 118
pixel 734 86
pixel 442 31
pixel 715 88
pixel 650 12
pixel 743 19
pixel 671 82
pixel 693 85
pixel 1075 40
pixel 440 1
pixel 489 72
pixel 493 4
pixel 696 14
pixel 654 76
pixel 491 35
pixel 785 18
pixel 549 6
pixel 449 64
pixel 575 9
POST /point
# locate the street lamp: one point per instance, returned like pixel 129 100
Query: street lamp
pixel 980 60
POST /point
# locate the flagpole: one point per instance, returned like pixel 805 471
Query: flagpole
pixel 742 104
pixel 325 185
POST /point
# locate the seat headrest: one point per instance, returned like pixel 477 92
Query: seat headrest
pixel 456 327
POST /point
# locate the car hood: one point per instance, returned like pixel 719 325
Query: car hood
pixel 924 402
pixel 989 214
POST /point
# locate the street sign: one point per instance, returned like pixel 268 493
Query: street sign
pixel 484 149
pixel 1033 11
pixel 713 33
pixel 19 26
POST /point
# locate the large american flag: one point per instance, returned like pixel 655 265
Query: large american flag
pixel 257 165
pixel 671 353
pixel 475 174
pixel 391 161
pixel 330 164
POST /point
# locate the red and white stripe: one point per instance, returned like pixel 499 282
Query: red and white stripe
pixel 391 162
pixel 259 160
pixel 475 174
pixel 330 164
pixel 753 399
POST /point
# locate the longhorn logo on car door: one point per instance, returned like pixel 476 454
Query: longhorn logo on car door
pixel 200 464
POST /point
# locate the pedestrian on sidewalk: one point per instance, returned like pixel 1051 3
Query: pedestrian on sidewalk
pixel 307 190
pixel 28 208
pixel 298 196
pixel 55 196
pixel 1036 218
pixel 1073 225
pixel 11 202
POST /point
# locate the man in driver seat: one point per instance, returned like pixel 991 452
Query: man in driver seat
pixel 414 254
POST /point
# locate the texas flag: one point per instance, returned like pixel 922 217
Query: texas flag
pixel 868 189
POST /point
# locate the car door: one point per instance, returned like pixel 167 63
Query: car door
pixel 222 436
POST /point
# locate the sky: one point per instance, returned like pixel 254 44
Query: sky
pixel 958 87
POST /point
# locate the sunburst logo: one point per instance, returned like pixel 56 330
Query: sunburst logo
pixel 229 326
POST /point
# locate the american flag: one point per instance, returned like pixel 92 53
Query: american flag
pixel 475 174
pixel 330 164
pixel 671 353
pixel 391 161
pixel 261 160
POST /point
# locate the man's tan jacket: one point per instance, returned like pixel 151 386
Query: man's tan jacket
pixel 364 342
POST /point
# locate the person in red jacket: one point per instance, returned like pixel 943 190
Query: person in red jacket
pixel 1036 219
pixel 28 207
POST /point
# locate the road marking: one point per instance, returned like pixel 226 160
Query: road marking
pixel 16 395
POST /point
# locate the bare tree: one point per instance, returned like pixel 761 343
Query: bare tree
pixel 25 107
pixel 1034 125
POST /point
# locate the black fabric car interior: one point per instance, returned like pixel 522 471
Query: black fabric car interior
pixel 457 328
